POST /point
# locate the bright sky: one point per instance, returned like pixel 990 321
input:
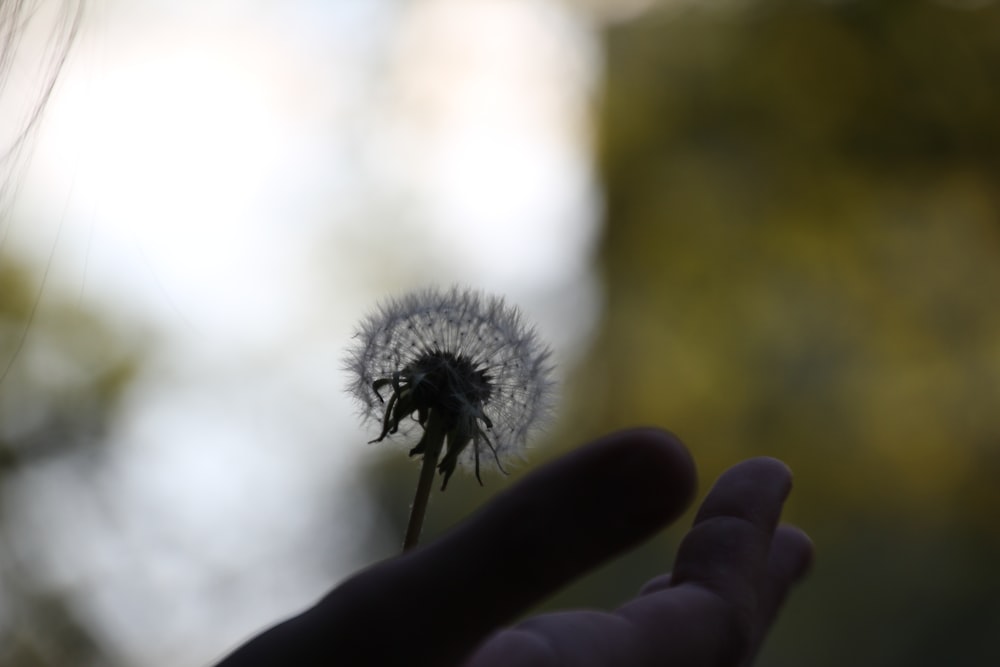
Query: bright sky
pixel 244 180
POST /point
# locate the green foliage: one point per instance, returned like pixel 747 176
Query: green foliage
pixel 802 259
pixel 65 371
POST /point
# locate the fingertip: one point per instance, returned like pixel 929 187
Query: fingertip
pixel 769 468
pixel 754 489
pixel 657 466
pixel 792 552
pixel 656 584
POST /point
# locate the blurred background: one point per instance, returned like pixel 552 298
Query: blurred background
pixel 772 226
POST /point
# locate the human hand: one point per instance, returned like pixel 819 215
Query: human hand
pixel 445 603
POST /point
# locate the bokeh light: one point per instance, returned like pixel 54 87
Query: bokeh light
pixel 231 188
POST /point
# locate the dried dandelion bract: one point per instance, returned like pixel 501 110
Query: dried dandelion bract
pixel 463 356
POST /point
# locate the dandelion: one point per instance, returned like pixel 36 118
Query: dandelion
pixel 472 378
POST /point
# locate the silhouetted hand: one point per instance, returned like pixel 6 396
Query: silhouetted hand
pixel 446 603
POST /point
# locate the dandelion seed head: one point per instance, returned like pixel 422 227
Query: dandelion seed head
pixel 466 355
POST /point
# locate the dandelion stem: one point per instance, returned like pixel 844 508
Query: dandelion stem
pixel 432 444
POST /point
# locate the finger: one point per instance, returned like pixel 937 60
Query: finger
pixel 550 529
pixel 514 646
pixel 789 560
pixel 726 550
pixel 656 584
pixel 581 638
pixel 438 601
pixel 705 614
pixel 726 497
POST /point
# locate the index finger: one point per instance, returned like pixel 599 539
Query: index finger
pixel 434 604
pixel 532 540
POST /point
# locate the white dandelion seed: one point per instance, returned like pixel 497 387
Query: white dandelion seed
pixel 463 366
